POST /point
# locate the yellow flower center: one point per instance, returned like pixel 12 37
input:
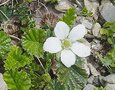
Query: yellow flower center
pixel 67 43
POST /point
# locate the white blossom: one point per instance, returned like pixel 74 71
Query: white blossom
pixel 68 43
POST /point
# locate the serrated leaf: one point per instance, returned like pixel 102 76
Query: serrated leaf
pixel 5 43
pixel 17 80
pixel 73 78
pixel 16 59
pixel 33 41
pixel 54 85
pixel 69 16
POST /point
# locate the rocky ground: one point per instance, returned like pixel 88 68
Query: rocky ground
pixel 100 11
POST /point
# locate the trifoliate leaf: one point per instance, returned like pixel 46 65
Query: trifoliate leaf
pixel 17 80
pixel 69 16
pixel 4 43
pixel 33 41
pixel 16 59
pixel 73 78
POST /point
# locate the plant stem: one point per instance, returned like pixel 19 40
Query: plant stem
pixel 4 14
pixel 41 64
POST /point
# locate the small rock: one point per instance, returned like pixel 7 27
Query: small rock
pixel 110 78
pixel 93 70
pixel 110 87
pixel 37 21
pixel 85 66
pixel 96 29
pixel 87 24
pixel 105 1
pixel 89 87
pixel 63 5
pixel 91 79
pixel 92 6
pixel 107 11
pixel 95 45
pixel 3 85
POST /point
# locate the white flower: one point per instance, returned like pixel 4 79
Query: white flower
pixel 67 42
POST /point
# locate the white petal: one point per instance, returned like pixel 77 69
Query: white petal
pixel 77 32
pixel 61 30
pixel 52 45
pixel 80 49
pixel 68 58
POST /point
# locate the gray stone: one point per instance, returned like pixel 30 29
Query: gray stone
pixel 107 11
pixel 110 78
pixel 85 66
pixel 91 79
pixel 96 29
pixel 87 24
pixel 95 45
pixel 92 6
pixel 63 5
pixel 110 87
pixel 93 70
pixel 3 85
pixel 89 87
pixel 105 1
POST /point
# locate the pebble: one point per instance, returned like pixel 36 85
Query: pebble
pixel 110 87
pixel 110 79
pixel 94 72
pixel 85 66
pixel 89 87
pixel 96 29
pixel 63 5
pixel 87 24
pixel 107 11
pixel 92 6
pixel 3 85
pixel 90 79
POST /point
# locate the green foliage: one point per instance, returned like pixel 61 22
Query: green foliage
pixel 33 41
pixel 100 88
pixel 52 1
pixel 113 1
pixel 108 32
pixel 69 17
pixel 4 44
pixel 16 59
pixel 85 12
pixel 54 85
pixel 22 11
pixel 17 80
pixel 73 78
pixel 109 59
pixel 5 10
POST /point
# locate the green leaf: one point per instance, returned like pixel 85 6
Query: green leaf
pixel 85 12
pixel 69 17
pixel 33 41
pixel 54 85
pixel 5 43
pixel 17 80
pixel 73 78
pixel 100 88
pixel 5 10
pixel 16 59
